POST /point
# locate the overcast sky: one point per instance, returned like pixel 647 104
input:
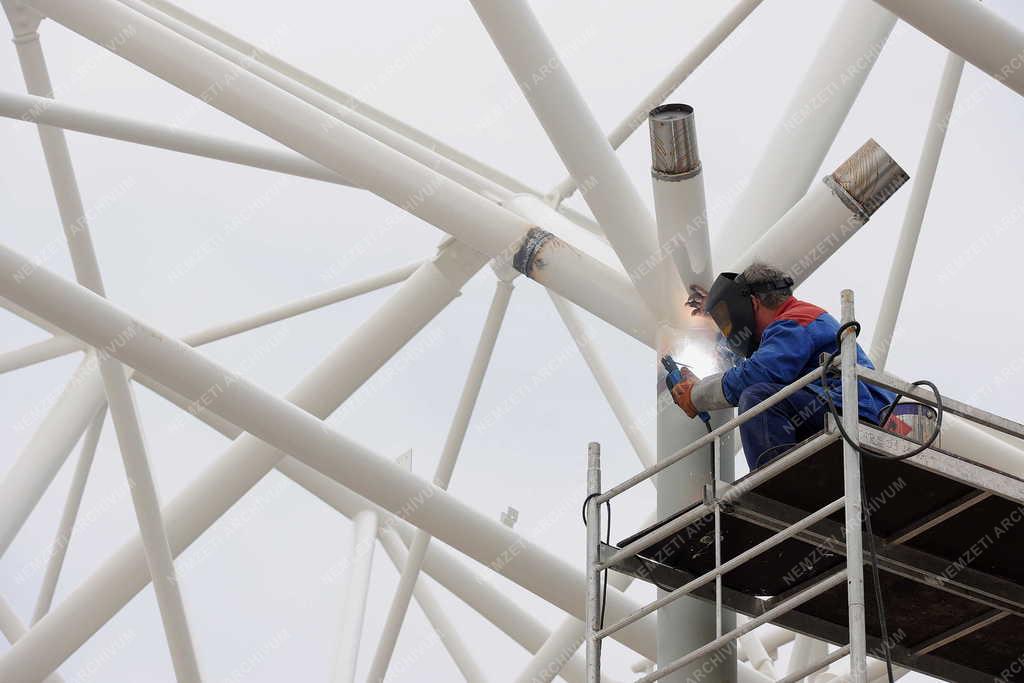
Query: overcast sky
pixel 186 242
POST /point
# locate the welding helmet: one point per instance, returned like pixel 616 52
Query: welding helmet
pixel 729 305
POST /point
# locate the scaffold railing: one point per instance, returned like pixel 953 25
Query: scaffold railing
pixel 718 494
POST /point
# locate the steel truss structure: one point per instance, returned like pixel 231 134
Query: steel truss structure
pixel 625 266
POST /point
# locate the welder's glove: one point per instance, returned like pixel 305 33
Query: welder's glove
pixel 681 395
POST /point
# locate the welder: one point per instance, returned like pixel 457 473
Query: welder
pixel 777 339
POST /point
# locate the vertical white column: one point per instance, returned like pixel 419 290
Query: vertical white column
pixel 364 538
pixel 902 260
pixel 851 479
pixel 115 381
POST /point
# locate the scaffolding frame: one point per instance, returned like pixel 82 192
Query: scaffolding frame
pixel 602 557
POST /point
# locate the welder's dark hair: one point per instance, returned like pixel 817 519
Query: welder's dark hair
pixel 759 272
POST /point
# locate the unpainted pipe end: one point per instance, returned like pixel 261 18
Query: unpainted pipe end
pixel 674 153
pixel 867 179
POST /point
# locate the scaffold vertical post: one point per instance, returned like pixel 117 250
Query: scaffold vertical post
pixel 852 474
pixel 593 574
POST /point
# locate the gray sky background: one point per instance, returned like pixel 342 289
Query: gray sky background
pixel 256 590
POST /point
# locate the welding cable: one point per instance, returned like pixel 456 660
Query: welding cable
pixel 608 541
pixel 864 450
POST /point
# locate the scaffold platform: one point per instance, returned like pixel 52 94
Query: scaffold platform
pixel 778 545
pixel 949 543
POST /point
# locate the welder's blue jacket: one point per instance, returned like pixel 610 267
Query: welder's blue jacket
pixel 791 346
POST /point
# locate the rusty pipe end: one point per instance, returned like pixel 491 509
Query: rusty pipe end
pixel 674 153
pixel 867 179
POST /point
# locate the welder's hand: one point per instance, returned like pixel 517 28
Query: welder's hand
pixel 681 395
pixel 696 301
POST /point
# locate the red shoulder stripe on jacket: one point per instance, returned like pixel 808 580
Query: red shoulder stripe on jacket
pixel 800 312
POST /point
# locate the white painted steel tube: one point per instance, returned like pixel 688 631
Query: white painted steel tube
pixel 300 306
pixel 435 613
pixel 410 185
pixel 828 215
pixel 442 477
pixel 70 117
pixel 582 146
pixel 282 426
pixel 971 30
pixel 13 629
pixel 46 451
pixel 920 192
pixel 701 51
pixel 852 493
pixel 66 526
pixel 679 202
pixel 360 564
pixel 812 119
pixel 247 460
pixel 385 135
pixel 441 564
pixel 38 352
pixel 621 410
pixel 123 412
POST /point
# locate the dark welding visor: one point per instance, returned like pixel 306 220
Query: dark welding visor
pixel 729 305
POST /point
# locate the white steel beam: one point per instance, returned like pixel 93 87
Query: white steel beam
pixel 440 563
pixel 971 30
pixel 667 85
pixel 442 477
pixel 582 146
pixel 123 410
pixel 624 416
pixel 13 629
pixel 282 427
pixel 48 448
pixel 58 345
pixel 828 215
pixel 475 220
pixel 428 602
pixel 815 112
pixel 360 563
pixel 903 259
pixel 355 119
pixel 66 527
pixel 35 109
pixel 344 99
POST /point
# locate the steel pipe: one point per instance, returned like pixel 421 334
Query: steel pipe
pixel 817 109
pixel 473 219
pixel 701 51
pixel 971 30
pixel 13 629
pixel 920 192
pixel 38 352
pixel 442 477
pixel 828 215
pixel 592 569
pixel 247 460
pixel 435 613
pixel 442 564
pixel 621 410
pixel 679 201
pixel 42 110
pixel 582 146
pixel 276 422
pixel 852 495
pixel 66 527
pixel 123 411
pixel 364 538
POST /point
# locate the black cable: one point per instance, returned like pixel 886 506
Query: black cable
pixel 865 450
pixel 875 578
pixel 608 541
